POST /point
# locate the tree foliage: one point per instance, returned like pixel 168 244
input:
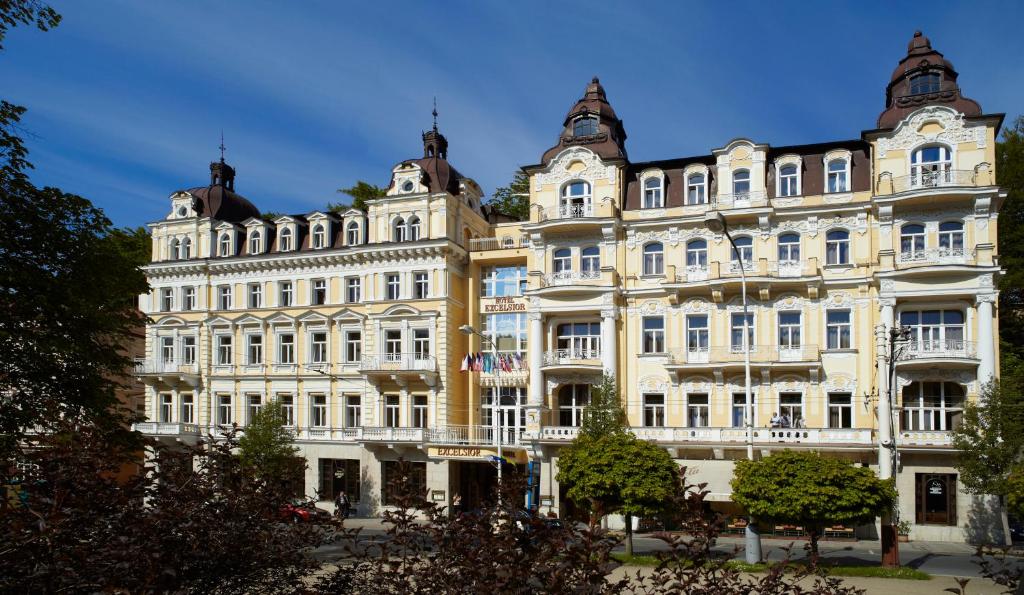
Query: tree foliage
pixel 604 414
pixel 26 12
pixel 360 193
pixel 513 200
pixel 810 490
pixel 267 449
pixel 990 440
pixel 1010 176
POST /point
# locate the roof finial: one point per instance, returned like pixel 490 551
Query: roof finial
pixel 222 147
pixel 435 113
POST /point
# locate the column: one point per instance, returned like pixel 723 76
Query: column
pixel 535 350
pixel 884 404
pixel 609 348
pixel 986 340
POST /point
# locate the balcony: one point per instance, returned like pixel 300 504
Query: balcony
pixel 731 436
pixel 924 180
pixel 726 276
pixel 398 363
pixel 167 371
pixel 570 217
pixel 377 434
pixel 507 242
pixel 184 432
pixel 932 256
pixel 926 438
pixel 740 200
pixel 570 282
pixel 572 359
pixel 799 356
pixel 328 434
pixel 929 353
pixel 463 435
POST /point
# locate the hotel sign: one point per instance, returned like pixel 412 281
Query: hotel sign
pixel 476 453
pixel 505 304
pixel 458 452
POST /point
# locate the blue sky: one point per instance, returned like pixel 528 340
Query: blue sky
pixel 127 99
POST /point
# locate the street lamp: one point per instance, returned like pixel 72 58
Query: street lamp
pixel 495 401
pixel 715 223
pixel 888 455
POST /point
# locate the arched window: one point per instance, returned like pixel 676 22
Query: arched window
pixel 414 229
pixel 925 82
pixel 837 247
pixel 697 254
pixel 561 261
pixel 838 175
pixel 654 259
pixel 352 233
pixel 912 242
pixel 186 247
pixel 399 230
pixel 789 181
pixel 653 193
pixel 741 184
pixel 584 126
pixel 225 245
pixel 284 243
pixel 174 249
pixel 743 253
pixel 951 238
pixel 319 236
pixel 572 399
pixel 696 189
pixel 789 248
pixel 590 260
pixel 931 166
pixel 576 200
pixel 255 242
pixel 932 406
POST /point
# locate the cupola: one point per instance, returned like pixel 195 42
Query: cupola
pixel 592 122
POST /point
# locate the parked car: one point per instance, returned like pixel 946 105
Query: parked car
pixel 301 511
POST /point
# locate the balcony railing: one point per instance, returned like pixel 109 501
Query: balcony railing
pixel 570 356
pixel 158 367
pixel 499 243
pixel 933 255
pixel 570 278
pixel 463 435
pixel 924 438
pixel 377 434
pixel 939 349
pixel 761 436
pixel 398 362
pixel 740 200
pixel 318 433
pixel 934 179
pixel 153 428
pixel 785 269
pixel 758 354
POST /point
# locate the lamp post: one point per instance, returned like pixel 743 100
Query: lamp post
pixel 715 222
pixel 495 402
pixel 888 455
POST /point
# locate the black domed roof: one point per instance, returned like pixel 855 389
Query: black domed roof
pixel 219 200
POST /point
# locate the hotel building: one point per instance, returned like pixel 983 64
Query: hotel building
pixel 352 320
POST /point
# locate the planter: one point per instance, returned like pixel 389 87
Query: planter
pixel 903 538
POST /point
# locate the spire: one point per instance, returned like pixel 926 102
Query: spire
pixel 222 147
pixel 222 174
pixel 435 113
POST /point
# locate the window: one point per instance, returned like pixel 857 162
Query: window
pixel 654 411
pixel 339 475
pixel 411 478
pixel 789 181
pixel 167 350
pixel 286 348
pixel 939 331
pixel 188 409
pixel 590 260
pixel 319 236
pixel 507 332
pixel 743 253
pixel 951 238
pixel 739 409
pixel 579 340
pixel 414 229
pixel 837 247
pixel 166 299
pixel 253 405
pixel 352 233
pixel 697 333
pixel 318 347
pixel 503 281
pixel 837 329
pixel 224 245
pixel 925 82
pixel 736 334
pixel 166 407
pixel 224 350
pixel 741 184
pixel 188 350
pixel 653 193
pixel 287 409
pixel 398 230
pixel 318 296
pixel 584 126
pixel 698 410
pixel 840 410
pixel 391 411
pixel 254 349
pixel 353 411
pixel 789 248
pixel 932 406
pixel 931 166
pixel 654 259
pixel 419 285
pixel 575 200
pixel 225 415
pixel 936 498
pixel 912 242
pixel 224 297
pixel 421 343
pixel 572 398
pixel 789 330
pixel 255 242
pixel 837 181
pixel 791 410
pixel 255 295
pixel 391 286
pixel 392 344
pixel 174 249
pixel 419 411
pixel 188 298
pixel 697 255
pixel 186 248
pixel 318 411
pixel 284 242
pixel 353 346
pixel 353 290
pixel 562 261
pixel 286 293
pixel 654 334
pixel 696 190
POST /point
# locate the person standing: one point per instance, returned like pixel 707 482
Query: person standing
pixel 457 503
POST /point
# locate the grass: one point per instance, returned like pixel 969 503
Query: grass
pixel 869 571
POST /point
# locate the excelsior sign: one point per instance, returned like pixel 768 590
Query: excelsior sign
pixel 505 304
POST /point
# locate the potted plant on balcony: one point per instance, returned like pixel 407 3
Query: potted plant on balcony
pixel 903 530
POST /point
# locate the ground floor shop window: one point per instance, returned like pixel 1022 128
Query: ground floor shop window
pixel 936 498
pixel 400 476
pixel 337 475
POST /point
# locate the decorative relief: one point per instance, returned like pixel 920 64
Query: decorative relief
pixel 955 130
pixel 790 384
pixel 839 383
pixel 556 380
pixel 887 285
pixel 790 302
pixel 697 384
pixel 696 305
pixel 639 238
pixel 904 378
pixel 559 173
pixel 838 197
pixel 652 384
pixel 648 308
pixel 837 299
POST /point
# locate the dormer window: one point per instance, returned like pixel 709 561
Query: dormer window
pixel 789 181
pixel 185 248
pixel 408 186
pixel 398 230
pixel 926 82
pixel 352 234
pixel 695 190
pixel 741 183
pixel 224 245
pixel 653 193
pixel 414 229
pixel 284 243
pixel 584 126
pixel 174 249
pixel 838 175
pixel 182 211
pixel 319 236
pixel 255 242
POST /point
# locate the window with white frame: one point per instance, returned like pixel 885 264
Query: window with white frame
pixel 224 350
pixel 743 253
pixel 253 406
pixel 392 344
pixel 698 410
pixel 392 285
pixel 174 248
pixel 254 349
pixel 166 299
pixel 188 298
pixel 572 399
pixel 697 340
pixel 653 334
pixel 590 260
pixel 579 340
pixel 188 408
pixel 931 166
pixel 739 409
pixel 318 410
pixel 696 189
pixel 789 180
pixel 654 410
pixel 840 410
pixel 188 350
pixel 353 346
pixel 654 259
pixel 225 413
pixel 838 175
pixel 286 348
pixel 224 297
pixel 561 260
pixel 507 332
pixel 287 409
pixel 585 126
pixel 421 343
pixel 255 242
pixel 255 295
pixel 286 293
pixel 741 184
pixel 352 233
pixel 653 193
pixel 318 292
pixel 789 330
pixel 318 347
pixel 319 236
pixel 224 245
pixel 736 331
pixel 837 247
pixel 504 280
pixel 391 411
pixel 576 200
pixel 697 255
pixel 420 289
pixel 353 411
pixel 166 408
pixel 399 230
pixel 951 238
pixel 167 350
pixel 838 329
pixel 789 248
pixel 934 330
pixel 186 247
pixel 932 406
pixel 912 241
pixel 414 228
pixel 353 290
pixel 419 411
pixel 285 242
pixel 791 410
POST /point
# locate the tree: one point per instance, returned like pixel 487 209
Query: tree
pixel 360 193
pixel 604 415
pixel 810 490
pixel 990 442
pixel 267 449
pixel 513 200
pixel 1010 172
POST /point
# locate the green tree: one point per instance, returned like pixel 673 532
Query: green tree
pixel 810 490
pixel 267 448
pixel 604 415
pixel 990 442
pixel 1010 176
pixel 360 193
pixel 513 200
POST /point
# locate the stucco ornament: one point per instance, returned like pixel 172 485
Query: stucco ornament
pixel 954 130
pixel 558 171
